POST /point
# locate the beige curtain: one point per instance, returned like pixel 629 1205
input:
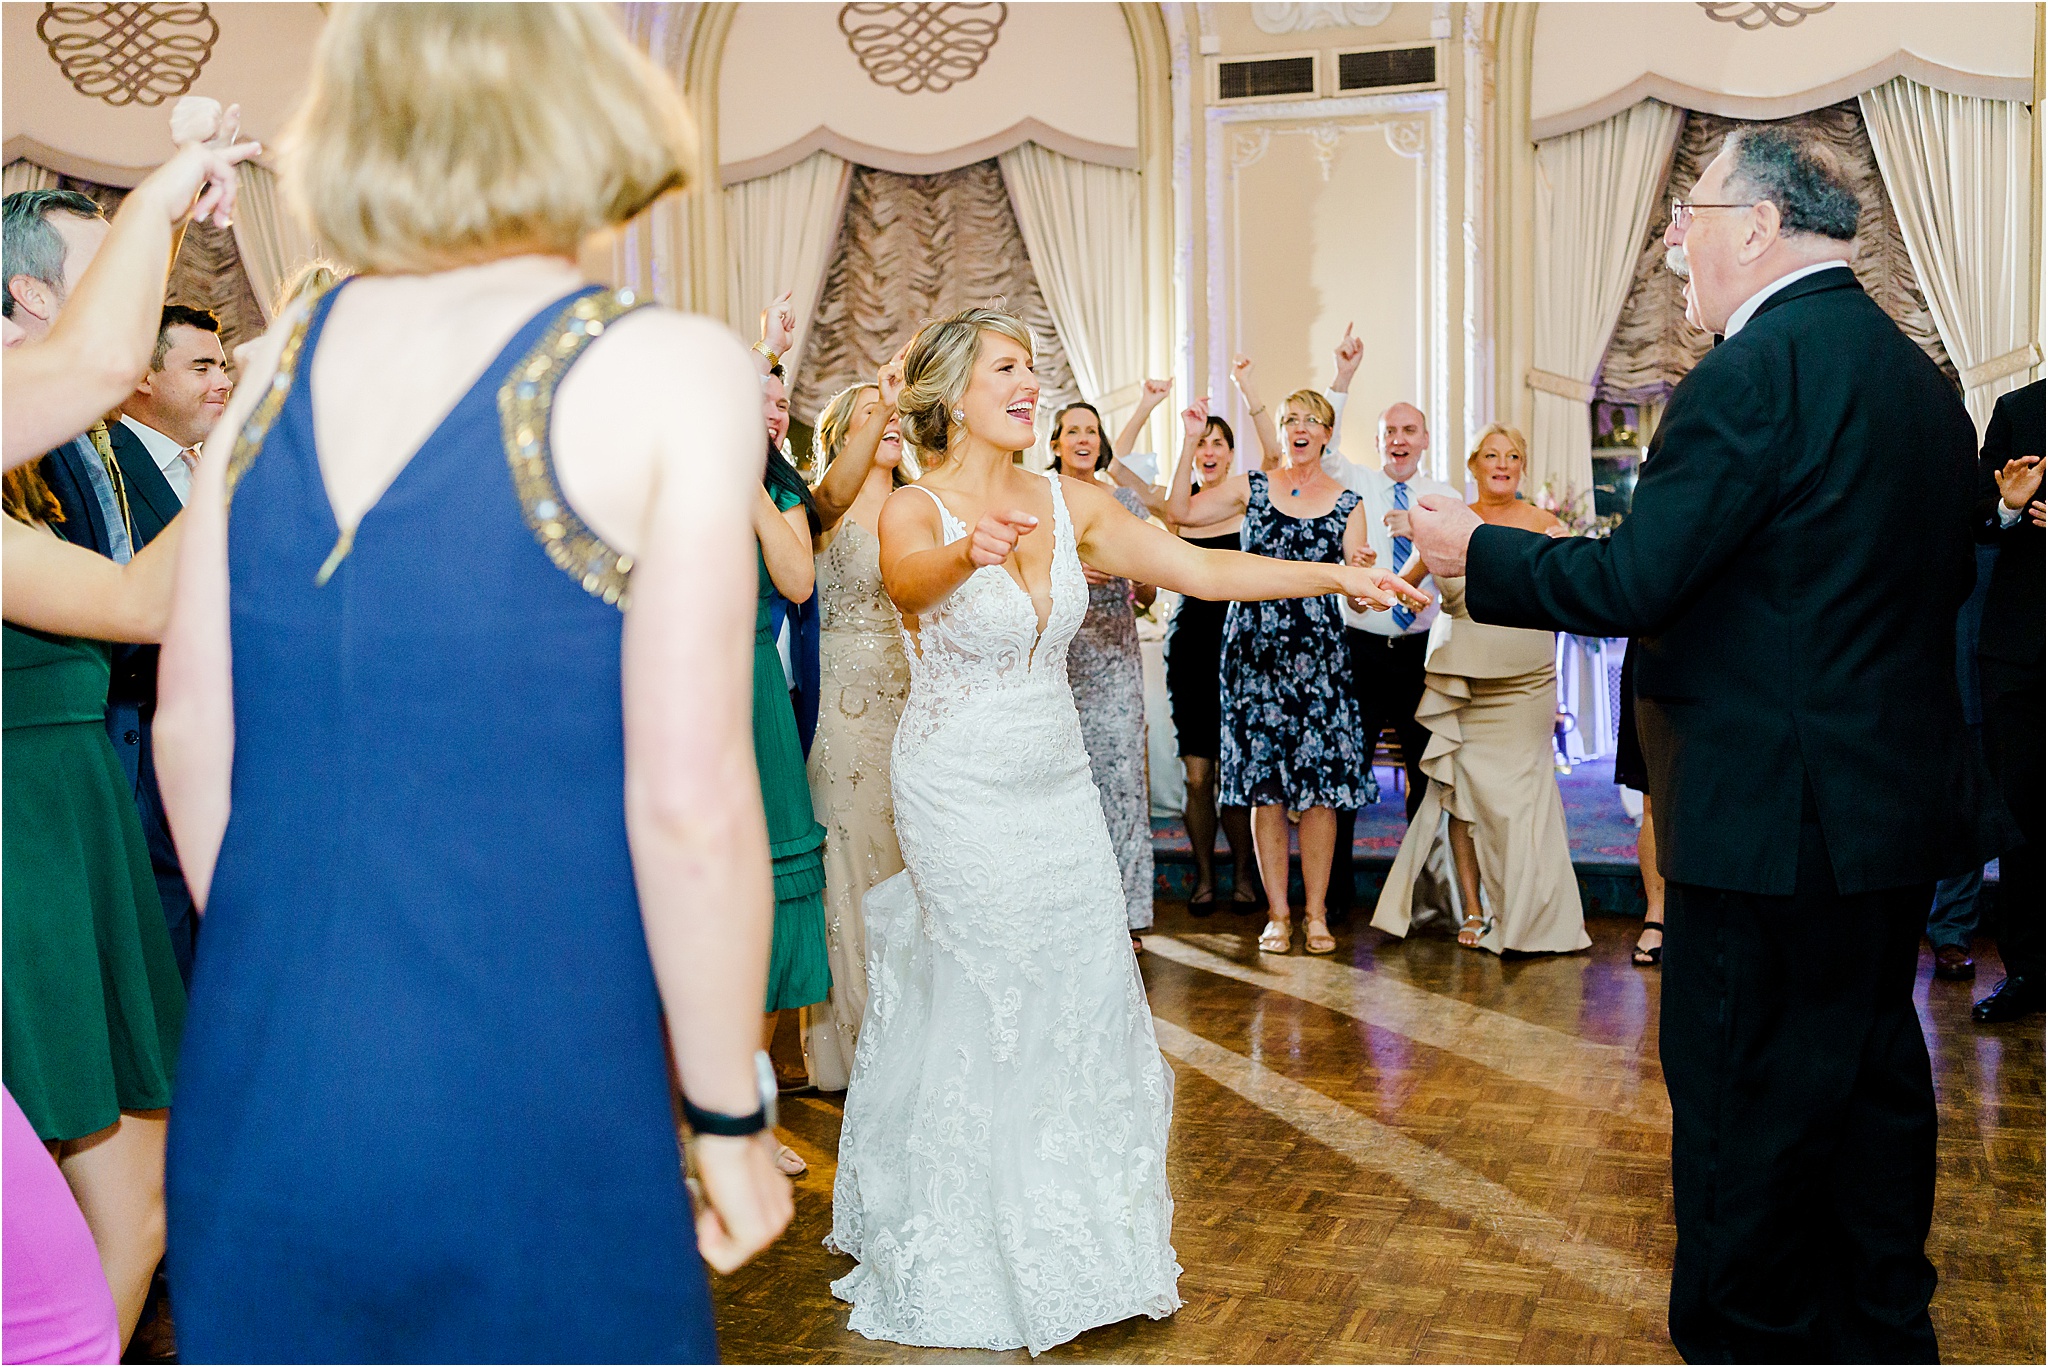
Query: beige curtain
pixel 1595 192
pixel 23 174
pixel 1080 226
pixel 270 237
pixel 1959 170
pixel 916 248
pixel 779 234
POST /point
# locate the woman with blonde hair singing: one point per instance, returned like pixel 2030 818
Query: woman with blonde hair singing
pixel 1490 702
pixel 1002 1178
pixel 454 738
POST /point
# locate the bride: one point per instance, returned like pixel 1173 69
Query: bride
pixel 1002 1178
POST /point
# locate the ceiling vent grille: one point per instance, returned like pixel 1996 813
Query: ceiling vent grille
pixel 1282 76
pixel 1389 68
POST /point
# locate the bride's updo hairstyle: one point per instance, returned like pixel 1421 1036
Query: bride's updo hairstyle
pixel 936 371
pixel 440 135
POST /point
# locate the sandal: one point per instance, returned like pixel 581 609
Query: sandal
pixel 1318 939
pixel 790 1163
pixel 1277 937
pixel 1245 899
pixel 1203 903
pixel 1653 956
pixel 1472 930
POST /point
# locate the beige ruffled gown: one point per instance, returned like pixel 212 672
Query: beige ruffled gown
pixel 863 681
pixel 1490 703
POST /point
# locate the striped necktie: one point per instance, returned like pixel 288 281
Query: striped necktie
pixel 1404 616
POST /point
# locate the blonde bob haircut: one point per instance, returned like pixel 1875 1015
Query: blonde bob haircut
pixel 439 135
pixel 936 371
pixel 1518 443
pixel 1312 402
pixel 836 421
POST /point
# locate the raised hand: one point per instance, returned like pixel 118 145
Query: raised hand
pixel 1241 371
pixel 1194 419
pixel 996 535
pixel 1350 351
pixel 1153 393
pixel 890 381
pixel 1371 590
pixel 778 324
pixel 200 181
pixel 2019 480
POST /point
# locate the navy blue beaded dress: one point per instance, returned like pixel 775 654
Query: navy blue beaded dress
pixel 1290 719
pixel 423 1109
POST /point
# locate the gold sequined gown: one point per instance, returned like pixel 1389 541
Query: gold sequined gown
pixel 863 681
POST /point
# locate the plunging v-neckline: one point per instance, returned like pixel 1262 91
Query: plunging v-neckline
pixel 1016 581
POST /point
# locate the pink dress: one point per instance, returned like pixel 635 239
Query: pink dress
pixel 56 1304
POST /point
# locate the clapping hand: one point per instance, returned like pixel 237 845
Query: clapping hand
pixel 1365 557
pixel 1194 419
pixel 996 535
pixel 778 324
pixel 1371 589
pixel 1350 351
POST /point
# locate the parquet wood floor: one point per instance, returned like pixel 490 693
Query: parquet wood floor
pixel 1415 1153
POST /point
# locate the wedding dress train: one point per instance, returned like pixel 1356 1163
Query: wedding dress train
pixel 1002 1174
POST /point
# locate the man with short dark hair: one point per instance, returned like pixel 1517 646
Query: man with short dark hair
pixel 1799 545
pixel 156 444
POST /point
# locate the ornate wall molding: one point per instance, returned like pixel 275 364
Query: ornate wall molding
pixel 129 53
pixel 1314 14
pixel 1240 136
pixel 911 48
pixel 1761 15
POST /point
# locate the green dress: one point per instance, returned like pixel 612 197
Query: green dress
pixel 93 1005
pixel 799 973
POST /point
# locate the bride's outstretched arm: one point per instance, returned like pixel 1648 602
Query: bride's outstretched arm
pixel 920 569
pixel 1139 551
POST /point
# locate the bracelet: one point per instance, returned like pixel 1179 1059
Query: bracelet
pixel 715 1122
pixel 1256 411
pixel 769 352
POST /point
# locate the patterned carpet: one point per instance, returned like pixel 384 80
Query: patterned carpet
pixel 1602 834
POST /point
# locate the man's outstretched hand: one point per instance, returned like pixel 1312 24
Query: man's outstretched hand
pixel 1442 530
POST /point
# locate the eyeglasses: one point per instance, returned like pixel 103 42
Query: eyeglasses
pixel 1682 210
pixel 1300 420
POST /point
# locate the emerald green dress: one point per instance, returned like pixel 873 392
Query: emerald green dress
pixel 799 973
pixel 93 1004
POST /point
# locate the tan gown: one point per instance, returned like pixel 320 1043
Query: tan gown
pixel 863 681
pixel 1490 702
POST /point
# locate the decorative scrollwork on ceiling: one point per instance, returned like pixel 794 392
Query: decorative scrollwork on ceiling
pixel 909 48
pixel 129 53
pixel 1755 16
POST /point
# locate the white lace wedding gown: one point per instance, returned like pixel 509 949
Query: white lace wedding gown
pixel 1002 1171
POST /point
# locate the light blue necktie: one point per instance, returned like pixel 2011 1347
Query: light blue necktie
pixel 1404 617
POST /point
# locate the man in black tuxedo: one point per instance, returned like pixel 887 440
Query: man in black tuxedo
pixel 1798 549
pixel 2009 667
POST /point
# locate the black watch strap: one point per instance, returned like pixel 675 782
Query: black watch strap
pixel 712 1122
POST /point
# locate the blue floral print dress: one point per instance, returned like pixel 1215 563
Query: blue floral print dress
pixel 1290 718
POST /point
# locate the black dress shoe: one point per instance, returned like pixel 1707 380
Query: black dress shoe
pixel 1952 963
pixel 2009 1001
